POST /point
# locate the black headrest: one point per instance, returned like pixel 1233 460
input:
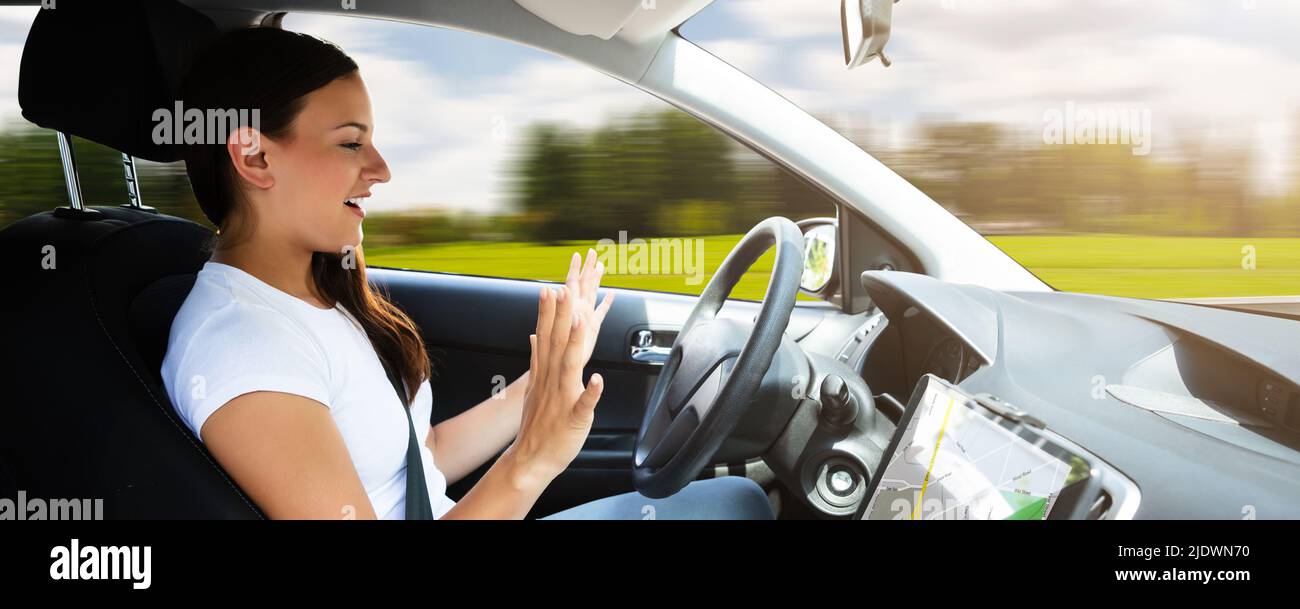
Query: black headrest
pixel 99 70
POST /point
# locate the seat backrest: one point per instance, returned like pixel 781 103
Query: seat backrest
pixel 150 318
pixel 85 416
pixel 90 297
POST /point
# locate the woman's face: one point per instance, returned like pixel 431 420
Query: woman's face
pixel 324 172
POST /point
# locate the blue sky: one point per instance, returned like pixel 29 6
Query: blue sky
pixel 450 106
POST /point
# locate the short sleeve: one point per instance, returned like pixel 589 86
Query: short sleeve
pixel 240 349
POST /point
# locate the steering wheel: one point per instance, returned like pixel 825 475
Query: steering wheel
pixel 716 365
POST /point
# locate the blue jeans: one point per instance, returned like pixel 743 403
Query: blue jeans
pixel 725 498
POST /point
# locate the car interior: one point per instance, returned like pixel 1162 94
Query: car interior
pixel 808 397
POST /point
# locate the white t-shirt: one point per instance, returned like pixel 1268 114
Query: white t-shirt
pixel 236 334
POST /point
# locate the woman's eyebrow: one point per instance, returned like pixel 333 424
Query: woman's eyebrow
pixel 364 128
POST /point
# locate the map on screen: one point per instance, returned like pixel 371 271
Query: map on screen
pixel 958 461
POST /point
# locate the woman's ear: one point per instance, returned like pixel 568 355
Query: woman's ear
pixel 244 145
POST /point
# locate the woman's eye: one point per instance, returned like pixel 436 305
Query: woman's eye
pixel 352 146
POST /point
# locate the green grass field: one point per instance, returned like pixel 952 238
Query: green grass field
pixel 1160 267
pixel 1118 265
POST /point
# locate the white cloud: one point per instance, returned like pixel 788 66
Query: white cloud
pixel 9 110
pixel 17 19
pixel 14 23
pixel 750 56
pixel 783 19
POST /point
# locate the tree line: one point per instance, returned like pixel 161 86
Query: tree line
pixel 663 173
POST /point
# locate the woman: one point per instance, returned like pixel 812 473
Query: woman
pixel 274 360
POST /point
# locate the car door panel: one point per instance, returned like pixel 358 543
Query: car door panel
pixel 476 330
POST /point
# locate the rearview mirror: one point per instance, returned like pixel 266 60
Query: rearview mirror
pixel 865 24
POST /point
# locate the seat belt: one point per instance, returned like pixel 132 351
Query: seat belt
pixel 418 505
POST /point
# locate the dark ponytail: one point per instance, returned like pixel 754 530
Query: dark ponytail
pixel 272 70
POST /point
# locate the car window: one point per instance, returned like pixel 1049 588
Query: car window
pixel 31 176
pixel 506 159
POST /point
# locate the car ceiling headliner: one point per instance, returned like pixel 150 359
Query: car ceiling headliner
pixel 621 44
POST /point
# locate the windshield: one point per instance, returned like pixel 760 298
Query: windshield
pixel 1141 149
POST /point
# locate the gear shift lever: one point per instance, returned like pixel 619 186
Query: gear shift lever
pixel 838 407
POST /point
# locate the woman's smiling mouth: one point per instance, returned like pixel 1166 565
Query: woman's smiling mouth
pixel 354 203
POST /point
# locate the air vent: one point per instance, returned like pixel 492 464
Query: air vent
pixel 860 336
pixel 1272 395
pixel 849 348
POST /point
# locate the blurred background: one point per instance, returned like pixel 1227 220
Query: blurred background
pixel 505 159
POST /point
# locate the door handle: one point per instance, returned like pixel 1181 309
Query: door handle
pixel 645 351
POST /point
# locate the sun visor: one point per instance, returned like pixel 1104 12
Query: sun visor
pixel 99 70
pixel 633 19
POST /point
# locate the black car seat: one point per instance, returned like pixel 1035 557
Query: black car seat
pixel 90 295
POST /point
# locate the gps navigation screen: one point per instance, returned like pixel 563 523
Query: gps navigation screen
pixel 957 460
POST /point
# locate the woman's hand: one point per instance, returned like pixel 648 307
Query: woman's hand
pixel 558 411
pixel 583 283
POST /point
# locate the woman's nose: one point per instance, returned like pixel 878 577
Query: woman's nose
pixel 377 169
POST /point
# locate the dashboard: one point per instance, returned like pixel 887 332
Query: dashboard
pixel 1190 412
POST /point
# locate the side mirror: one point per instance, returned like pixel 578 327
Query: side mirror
pixel 818 255
pixel 865 24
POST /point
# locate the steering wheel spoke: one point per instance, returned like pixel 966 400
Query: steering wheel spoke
pixel 670 442
pixel 707 392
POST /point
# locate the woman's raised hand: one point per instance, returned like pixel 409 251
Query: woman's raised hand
pixel 583 280
pixel 558 411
